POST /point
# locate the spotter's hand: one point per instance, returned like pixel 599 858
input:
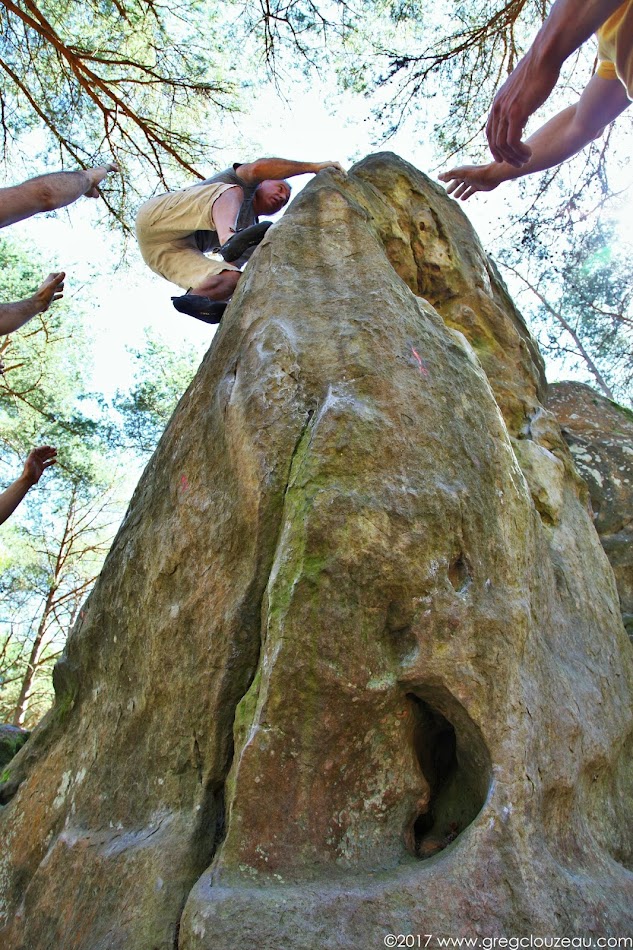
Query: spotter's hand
pixel 51 290
pixel 465 180
pixel 38 460
pixel 523 92
pixel 96 176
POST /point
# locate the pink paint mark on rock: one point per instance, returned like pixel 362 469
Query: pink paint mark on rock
pixel 423 370
pixel 184 483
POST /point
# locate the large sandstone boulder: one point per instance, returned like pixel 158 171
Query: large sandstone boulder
pixel 600 436
pixel 354 664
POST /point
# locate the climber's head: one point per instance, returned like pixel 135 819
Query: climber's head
pixel 271 196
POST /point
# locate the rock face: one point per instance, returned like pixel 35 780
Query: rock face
pixel 354 664
pixel 12 738
pixel 600 436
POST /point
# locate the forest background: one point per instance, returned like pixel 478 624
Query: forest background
pixel 174 92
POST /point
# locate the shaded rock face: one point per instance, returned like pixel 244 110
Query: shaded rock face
pixel 599 434
pixel 12 738
pixel 354 664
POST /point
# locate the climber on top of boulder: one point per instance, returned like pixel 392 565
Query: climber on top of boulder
pixel 219 214
pixel 607 94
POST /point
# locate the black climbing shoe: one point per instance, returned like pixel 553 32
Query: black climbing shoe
pixel 209 311
pixel 236 245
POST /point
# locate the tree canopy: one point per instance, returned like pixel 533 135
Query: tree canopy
pixel 53 546
pixel 136 80
pixel 162 376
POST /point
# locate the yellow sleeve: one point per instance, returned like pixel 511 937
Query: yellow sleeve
pixel 606 70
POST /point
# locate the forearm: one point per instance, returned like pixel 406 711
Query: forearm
pixel 11 497
pixel 277 169
pixel 59 189
pixel 44 193
pixel 569 24
pixel 553 143
pixel 15 315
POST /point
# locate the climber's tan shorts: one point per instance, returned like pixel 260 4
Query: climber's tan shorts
pixel 165 228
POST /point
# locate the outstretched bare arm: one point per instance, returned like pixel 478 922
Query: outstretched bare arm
pixel 37 461
pixel 560 138
pixel 15 315
pixel 277 169
pixel 48 192
pixel 568 25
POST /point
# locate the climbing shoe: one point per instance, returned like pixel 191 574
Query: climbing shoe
pixel 236 245
pixel 209 311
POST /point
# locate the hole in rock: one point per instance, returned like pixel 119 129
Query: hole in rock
pixel 459 573
pixel 455 762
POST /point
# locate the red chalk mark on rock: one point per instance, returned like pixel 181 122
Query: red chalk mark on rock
pixel 184 484
pixel 423 370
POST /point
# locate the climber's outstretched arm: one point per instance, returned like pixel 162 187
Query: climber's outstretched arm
pixel 564 135
pixel 48 192
pixel 277 169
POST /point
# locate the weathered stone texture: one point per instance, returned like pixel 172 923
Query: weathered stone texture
pixel 355 663
pixel 599 434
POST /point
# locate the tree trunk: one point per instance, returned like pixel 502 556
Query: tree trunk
pixel 22 705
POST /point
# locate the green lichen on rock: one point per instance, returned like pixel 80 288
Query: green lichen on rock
pixel 623 410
